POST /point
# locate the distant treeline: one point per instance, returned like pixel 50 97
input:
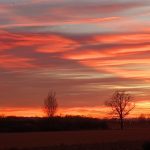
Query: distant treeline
pixel 67 123
pixel 34 124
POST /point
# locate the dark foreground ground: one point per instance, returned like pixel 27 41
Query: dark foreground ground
pixel 129 139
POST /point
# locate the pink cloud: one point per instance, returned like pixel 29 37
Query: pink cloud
pixel 116 59
pixel 12 62
pixel 56 44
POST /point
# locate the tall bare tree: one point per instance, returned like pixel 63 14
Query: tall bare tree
pixel 121 104
pixel 50 104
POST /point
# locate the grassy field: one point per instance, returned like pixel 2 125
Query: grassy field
pixel 76 140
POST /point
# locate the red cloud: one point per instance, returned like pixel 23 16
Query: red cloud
pixel 46 43
pixel 55 43
pixel 12 62
pixel 116 59
pixel 124 49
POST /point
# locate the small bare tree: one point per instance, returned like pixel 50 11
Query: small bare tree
pixel 50 104
pixel 121 104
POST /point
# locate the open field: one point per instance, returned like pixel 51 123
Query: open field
pixel 131 138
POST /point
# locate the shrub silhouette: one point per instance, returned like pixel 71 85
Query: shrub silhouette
pixel 50 104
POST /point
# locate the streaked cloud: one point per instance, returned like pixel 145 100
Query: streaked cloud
pixel 82 49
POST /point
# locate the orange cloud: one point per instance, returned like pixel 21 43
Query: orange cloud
pixel 25 112
pixel 122 38
pixel 85 54
pixel 142 107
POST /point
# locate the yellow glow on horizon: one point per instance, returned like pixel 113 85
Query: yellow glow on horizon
pixel 142 107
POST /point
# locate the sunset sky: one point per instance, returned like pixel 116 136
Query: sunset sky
pixel 82 49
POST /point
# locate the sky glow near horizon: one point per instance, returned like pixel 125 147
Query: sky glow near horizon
pixel 82 49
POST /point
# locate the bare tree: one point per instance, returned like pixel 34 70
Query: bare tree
pixel 50 104
pixel 121 104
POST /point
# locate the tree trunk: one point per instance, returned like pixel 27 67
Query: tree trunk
pixel 121 123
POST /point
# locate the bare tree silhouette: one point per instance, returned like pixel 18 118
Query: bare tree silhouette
pixel 50 104
pixel 121 104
